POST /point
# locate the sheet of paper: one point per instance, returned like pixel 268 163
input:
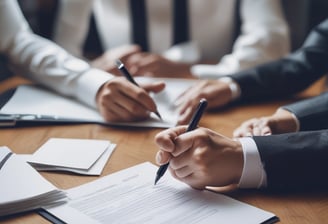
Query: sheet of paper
pixel 35 100
pixel 129 196
pixel 72 153
pixel 95 169
pixel 23 188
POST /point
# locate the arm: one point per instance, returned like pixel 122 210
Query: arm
pixel 50 65
pixel 296 160
pixel 291 74
pixel 204 158
pixel 264 37
pixel 312 113
pixel 45 62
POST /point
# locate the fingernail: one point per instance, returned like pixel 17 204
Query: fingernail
pixel 159 157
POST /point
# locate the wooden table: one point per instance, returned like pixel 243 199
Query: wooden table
pixel 137 145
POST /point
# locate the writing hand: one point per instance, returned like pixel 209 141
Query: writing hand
pixel 201 157
pixel 119 100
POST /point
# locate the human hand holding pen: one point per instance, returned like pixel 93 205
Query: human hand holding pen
pixel 129 77
pixel 201 157
pixel 119 100
pixel 192 125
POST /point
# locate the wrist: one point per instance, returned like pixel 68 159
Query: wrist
pixel 233 87
pixel 284 121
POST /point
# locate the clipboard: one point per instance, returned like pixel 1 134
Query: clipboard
pixel 27 120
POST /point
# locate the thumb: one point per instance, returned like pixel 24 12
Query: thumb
pixel 162 157
pixel 153 87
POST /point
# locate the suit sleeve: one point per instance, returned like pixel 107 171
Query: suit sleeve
pixel 295 161
pixel 291 74
pixel 312 113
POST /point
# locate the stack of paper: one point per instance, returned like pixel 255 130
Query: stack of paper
pixel 22 187
pixel 82 156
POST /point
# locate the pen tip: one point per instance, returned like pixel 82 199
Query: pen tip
pixel 158 115
pixel 156 180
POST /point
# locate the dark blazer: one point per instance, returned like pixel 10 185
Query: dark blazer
pixel 295 160
pixel 291 74
pixel 312 113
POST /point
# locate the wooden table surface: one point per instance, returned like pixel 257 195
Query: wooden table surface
pixel 136 145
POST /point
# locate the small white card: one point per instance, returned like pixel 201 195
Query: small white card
pixel 83 156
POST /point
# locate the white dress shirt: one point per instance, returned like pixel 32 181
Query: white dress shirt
pixel 44 61
pixel 264 33
pixel 253 174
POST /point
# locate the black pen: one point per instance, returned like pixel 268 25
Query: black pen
pixel 129 77
pixel 192 125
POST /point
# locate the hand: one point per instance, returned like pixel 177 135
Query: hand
pixel 106 61
pixel 201 157
pixel 216 93
pixel 120 100
pixel 148 64
pixel 282 121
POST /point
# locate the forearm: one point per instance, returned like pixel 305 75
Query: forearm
pixel 295 160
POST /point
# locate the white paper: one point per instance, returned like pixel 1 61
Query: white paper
pixel 23 188
pixel 35 100
pixel 95 169
pixel 67 152
pixel 130 196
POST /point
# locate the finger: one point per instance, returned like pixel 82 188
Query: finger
pixel 165 139
pixel 112 103
pixel 184 143
pixel 148 64
pixel 153 87
pixel 162 157
pixel 183 172
pixel 139 98
pixel 266 131
pixel 256 131
pixel 185 117
pixel 128 51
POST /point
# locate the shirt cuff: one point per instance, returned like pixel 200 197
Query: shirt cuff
pixel 89 83
pixel 253 175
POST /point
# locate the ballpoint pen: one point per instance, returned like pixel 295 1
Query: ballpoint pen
pixel 129 77
pixel 192 125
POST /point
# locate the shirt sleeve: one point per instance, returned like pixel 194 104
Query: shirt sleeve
pixel 45 62
pixel 264 37
pixel 253 174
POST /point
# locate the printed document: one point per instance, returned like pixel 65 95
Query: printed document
pixel 130 196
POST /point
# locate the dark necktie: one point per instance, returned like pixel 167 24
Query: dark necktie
pixel 92 45
pixel 180 21
pixel 139 23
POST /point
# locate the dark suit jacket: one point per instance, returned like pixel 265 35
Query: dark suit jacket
pixel 295 160
pixel 291 74
pixel 312 113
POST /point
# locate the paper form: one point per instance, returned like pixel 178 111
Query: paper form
pixel 130 196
